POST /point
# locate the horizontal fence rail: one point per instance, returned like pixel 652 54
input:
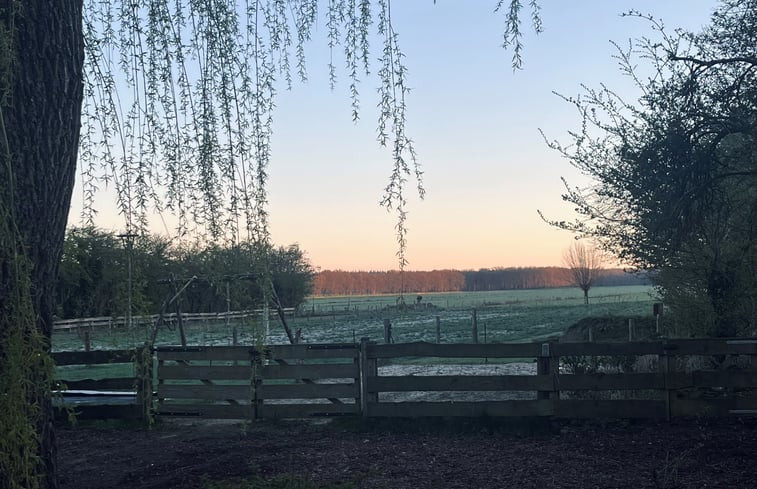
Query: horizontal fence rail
pixel 123 388
pixel 122 321
pixel 660 379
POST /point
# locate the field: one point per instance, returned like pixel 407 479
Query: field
pixel 503 316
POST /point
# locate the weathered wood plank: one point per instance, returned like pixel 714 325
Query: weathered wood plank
pixel 204 391
pixel 709 346
pixel 711 407
pixel 283 411
pixel 461 409
pixel 627 408
pixel 207 353
pixel 460 383
pixel 190 372
pixel 315 371
pixel 598 349
pixel 118 384
pixel 102 411
pixel 308 391
pixel 702 378
pixel 425 349
pixel 601 381
pixel 314 351
pixel 93 357
pixel 211 411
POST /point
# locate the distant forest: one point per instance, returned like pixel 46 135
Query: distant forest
pixel 338 282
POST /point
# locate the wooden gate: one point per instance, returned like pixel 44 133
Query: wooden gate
pixel 285 381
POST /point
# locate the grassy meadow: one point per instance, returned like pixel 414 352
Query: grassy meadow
pixel 503 316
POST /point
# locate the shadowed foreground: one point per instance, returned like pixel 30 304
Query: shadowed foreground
pixel 682 454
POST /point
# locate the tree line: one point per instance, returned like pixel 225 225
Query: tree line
pixel 339 282
pixel 94 275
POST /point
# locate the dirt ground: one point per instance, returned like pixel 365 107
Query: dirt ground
pixel 681 454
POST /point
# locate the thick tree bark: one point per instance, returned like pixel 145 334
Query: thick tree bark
pixel 41 117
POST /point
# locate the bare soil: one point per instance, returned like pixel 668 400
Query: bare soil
pixel 680 454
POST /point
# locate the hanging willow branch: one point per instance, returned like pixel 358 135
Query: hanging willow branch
pixel 179 100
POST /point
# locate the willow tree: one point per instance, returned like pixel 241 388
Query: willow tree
pixel 170 103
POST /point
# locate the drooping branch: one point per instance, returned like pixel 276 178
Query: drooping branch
pixel 750 60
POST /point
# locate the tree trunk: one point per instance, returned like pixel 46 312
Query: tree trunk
pixel 586 296
pixel 41 118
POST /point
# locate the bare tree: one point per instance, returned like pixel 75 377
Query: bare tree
pixel 584 266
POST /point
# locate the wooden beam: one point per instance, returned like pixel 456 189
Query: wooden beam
pixel 699 378
pixel 279 411
pixel 709 346
pixel 425 349
pixel 213 411
pixel 312 371
pixel 601 381
pixel 93 357
pixel 459 383
pixel 307 391
pixel 314 351
pixel 206 353
pixel 606 349
pixel 461 409
pixel 207 392
pixel 196 372
pixel 711 407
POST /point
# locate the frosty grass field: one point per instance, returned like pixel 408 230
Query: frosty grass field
pixel 503 316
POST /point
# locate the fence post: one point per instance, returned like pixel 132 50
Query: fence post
pixel 87 340
pixel 630 330
pixel 543 368
pixel 363 369
pixel 438 329
pixel 387 332
pixel 664 366
pixel 144 366
pixel 475 326
pixel 256 378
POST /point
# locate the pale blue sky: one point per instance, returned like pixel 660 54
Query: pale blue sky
pixel 475 125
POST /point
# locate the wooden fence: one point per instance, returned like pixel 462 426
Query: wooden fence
pixel 288 381
pixel 575 380
pixel 122 321
pixel 132 382
pixel 661 379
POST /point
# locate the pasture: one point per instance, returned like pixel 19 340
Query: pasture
pixel 503 316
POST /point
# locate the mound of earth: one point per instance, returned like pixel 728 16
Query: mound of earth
pixel 610 328
pixel 680 454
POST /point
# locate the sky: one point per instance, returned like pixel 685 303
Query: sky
pixel 475 124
